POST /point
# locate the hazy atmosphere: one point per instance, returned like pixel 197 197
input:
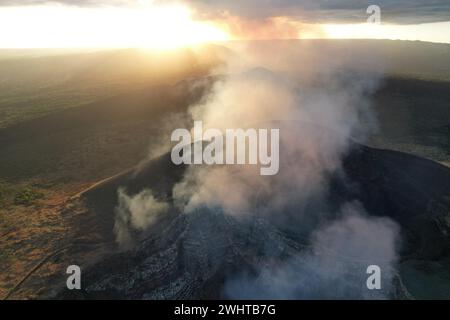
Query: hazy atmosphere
pixel 214 150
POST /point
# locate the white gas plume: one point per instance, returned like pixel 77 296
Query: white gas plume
pixel 321 107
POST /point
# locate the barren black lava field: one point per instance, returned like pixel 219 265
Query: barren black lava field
pixel 77 127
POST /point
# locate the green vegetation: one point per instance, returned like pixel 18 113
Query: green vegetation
pixel 27 196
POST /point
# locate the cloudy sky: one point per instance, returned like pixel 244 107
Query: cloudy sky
pixel 110 23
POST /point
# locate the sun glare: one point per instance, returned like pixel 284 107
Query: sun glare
pixel 146 26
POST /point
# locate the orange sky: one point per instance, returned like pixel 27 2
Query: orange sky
pixel 171 26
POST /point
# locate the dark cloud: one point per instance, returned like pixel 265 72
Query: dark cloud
pixel 393 11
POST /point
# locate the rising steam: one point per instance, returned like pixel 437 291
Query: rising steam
pixel 319 114
pixel 136 213
pixel 333 266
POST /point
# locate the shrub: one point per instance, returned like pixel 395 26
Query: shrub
pixel 26 197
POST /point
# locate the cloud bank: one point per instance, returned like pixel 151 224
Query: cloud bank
pixel 306 11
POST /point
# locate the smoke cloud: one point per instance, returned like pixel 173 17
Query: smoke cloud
pixel 277 27
pixel 317 122
pixel 321 108
pixel 136 213
pixel 334 265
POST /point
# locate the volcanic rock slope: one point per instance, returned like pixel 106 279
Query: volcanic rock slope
pixel 188 256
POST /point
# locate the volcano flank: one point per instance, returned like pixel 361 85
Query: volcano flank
pixel 192 255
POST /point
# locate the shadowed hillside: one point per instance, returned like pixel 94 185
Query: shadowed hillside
pixel 191 256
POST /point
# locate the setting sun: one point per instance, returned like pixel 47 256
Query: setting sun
pixel 147 26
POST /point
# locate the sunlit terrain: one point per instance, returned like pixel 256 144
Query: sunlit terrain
pixel 343 117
